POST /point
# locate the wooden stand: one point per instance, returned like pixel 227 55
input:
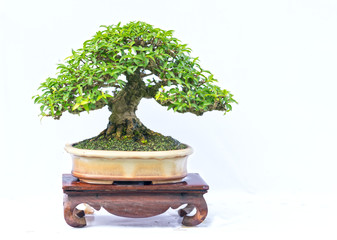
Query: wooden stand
pixel 126 199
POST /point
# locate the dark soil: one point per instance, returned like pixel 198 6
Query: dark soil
pixel 153 143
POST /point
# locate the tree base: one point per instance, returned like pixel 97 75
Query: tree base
pixel 141 139
pixel 128 129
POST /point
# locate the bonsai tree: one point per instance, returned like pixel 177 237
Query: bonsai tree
pixel 118 67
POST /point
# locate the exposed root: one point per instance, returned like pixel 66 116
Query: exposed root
pixel 103 133
pixel 119 131
pixel 128 129
pixel 109 130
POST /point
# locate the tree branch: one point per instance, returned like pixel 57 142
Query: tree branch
pixel 142 75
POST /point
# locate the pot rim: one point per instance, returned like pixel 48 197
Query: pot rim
pixel 127 154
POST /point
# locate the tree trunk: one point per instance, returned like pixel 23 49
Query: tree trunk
pixel 123 122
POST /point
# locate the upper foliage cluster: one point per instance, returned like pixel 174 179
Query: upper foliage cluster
pixel 92 76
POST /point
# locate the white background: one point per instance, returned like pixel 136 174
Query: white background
pixel 270 163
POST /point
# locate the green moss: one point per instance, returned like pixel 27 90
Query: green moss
pixel 153 143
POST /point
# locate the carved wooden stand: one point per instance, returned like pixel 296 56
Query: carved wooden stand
pixel 136 201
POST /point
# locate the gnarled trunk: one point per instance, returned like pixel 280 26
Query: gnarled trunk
pixel 123 122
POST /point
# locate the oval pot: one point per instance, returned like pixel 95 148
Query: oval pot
pixel 105 167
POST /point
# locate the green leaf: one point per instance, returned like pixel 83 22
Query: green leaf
pixel 76 106
pixel 37 98
pixel 90 80
pixel 86 107
pixel 121 83
pixel 229 107
pixel 146 62
pixel 80 90
pixel 52 110
pixel 84 102
pixel 171 74
pixel 149 56
pixel 158 95
pixel 123 57
pixel 130 70
pixel 140 57
pixel 178 81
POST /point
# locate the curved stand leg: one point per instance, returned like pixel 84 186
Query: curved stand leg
pixel 200 215
pixel 186 210
pixel 72 215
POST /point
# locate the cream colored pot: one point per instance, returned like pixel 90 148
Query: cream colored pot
pixel 105 167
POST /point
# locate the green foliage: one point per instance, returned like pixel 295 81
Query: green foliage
pixel 91 77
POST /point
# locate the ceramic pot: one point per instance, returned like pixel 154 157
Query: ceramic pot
pixel 105 167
